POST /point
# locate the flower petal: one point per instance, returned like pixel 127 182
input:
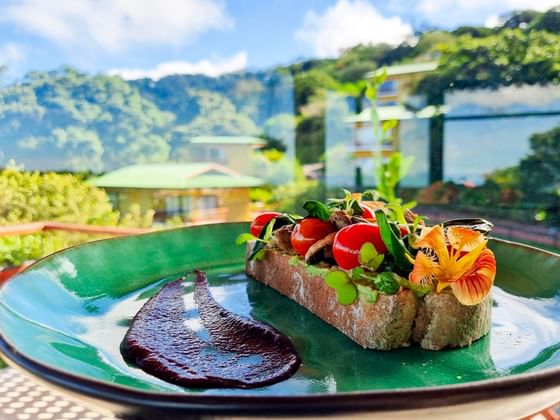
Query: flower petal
pixel 474 286
pixel 433 238
pixel 454 268
pixel 425 270
pixel 464 239
pixel 442 285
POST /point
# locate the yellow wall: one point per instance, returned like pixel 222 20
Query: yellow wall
pixel 238 201
pixel 128 197
pixel 233 202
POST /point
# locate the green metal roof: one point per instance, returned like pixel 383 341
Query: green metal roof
pixel 227 140
pixel 407 68
pixel 175 176
pixel 396 112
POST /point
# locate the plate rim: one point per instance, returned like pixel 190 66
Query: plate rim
pixel 341 402
pixel 347 402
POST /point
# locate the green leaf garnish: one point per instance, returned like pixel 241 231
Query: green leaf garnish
pixel 398 214
pixel 409 204
pixel 336 279
pixel 258 251
pixel 370 257
pixel 419 290
pixel 354 205
pixel 387 283
pixel 393 243
pixel 417 221
pixel 245 237
pixel 357 273
pixel 389 124
pixel 347 294
pixel 370 195
pixel 317 209
pixel 346 291
pixel 259 254
pixel 269 229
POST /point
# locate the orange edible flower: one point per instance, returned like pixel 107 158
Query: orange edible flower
pixel 457 259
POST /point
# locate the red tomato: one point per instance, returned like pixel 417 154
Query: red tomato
pixel 368 213
pixel 309 231
pixel 261 220
pixel 349 240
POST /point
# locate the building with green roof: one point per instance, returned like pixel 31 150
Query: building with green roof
pixel 392 99
pixel 408 127
pixel 196 192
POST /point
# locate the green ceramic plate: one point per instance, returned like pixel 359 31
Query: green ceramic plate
pixel 64 318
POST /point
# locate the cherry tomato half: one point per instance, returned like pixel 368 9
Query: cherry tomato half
pixel 349 240
pixel 309 231
pixel 367 213
pixel 260 222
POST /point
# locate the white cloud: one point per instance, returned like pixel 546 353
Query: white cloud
pixel 493 21
pixel 207 67
pixel 11 54
pixel 540 5
pixel 348 23
pixel 449 13
pixel 115 25
pixel 505 97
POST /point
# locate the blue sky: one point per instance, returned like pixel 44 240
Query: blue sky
pixel 137 38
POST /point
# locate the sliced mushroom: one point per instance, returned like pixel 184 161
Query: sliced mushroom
pixel 340 219
pixel 321 250
pixel 283 239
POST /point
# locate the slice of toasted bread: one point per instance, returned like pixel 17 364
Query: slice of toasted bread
pixel 435 321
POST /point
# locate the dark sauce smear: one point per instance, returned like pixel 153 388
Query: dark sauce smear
pixel 226 351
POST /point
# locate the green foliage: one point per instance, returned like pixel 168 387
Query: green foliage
pixel 509 57
pixel 310 139
pixel 369 256
pixel 73 121
pixel 32 196
pixel 539 173
pixel 393 242
pixel 100 122
pixel 311 83
pixel 218 116
pixel 316 209
pixel 346 290
pixel 80 122
pixel 387 283
pixel 290 196
pixel 390 173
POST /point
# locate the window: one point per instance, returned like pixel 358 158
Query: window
pixel 389 88
pixel 217 155
pixel 114 198
pixel 207 202
pixel 172 205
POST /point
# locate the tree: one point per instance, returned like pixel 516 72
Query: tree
pixel 511 57
pixel 309 84
pixel 539 172
pixel 32 196
pixel 69 120
pixel 218 117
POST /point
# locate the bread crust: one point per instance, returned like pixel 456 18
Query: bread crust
pixel 435 321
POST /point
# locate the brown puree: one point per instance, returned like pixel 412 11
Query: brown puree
pixel 227 351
